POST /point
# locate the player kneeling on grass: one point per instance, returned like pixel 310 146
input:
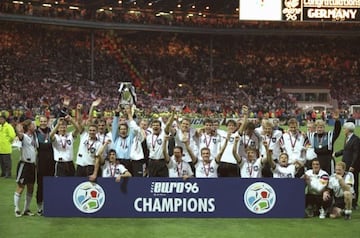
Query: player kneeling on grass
pixel 340 190
pixel 316 180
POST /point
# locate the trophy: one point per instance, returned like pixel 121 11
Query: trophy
pixel 127 96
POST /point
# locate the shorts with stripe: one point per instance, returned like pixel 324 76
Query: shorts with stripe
pixel 26 173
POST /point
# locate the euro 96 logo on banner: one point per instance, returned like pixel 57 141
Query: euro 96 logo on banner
pixel 88 197
pixel 260 198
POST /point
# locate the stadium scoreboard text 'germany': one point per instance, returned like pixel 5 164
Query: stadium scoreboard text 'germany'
pixel 299 10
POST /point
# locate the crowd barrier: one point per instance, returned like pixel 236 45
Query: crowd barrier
pixel 167 197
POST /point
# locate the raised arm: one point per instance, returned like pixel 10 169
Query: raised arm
pixel 56 128
pixel 94 104
pixel 20 131
pixel 78 118
pixel 245 111
pixel 170 121
pixel 235 150
pixel 115 124
pixel 102 149
pixel 126 174
pixel 93 176
pixel 222 149
pixel 190 151
pixel 77 128
pixel 269 155
pixel 165 150
pixel 337 126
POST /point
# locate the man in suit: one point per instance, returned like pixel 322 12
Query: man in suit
pixel 350 155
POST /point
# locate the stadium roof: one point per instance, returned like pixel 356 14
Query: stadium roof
pixel 227 7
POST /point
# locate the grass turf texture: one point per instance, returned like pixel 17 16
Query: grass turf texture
pixel 38 227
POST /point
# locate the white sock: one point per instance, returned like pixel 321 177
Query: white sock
pixel 40 206
pixel 27 201
pixel 348 212
pixel 17 197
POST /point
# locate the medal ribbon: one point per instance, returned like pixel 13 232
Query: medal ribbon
pixel 153 142
pixel 291 141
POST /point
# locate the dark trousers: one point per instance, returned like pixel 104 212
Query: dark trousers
pixel 45 167
pixel 137 168
pixel 5 164
pixel 228 170
pixel 158 168
pixel 356 188
pixel 84 171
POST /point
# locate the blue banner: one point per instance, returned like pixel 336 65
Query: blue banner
pixel 165 197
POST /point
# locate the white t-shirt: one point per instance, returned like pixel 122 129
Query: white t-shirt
pixel 88 149
pixel 273 142
pixel 192 144
pixel 28 148
pixel 318 182
pixel 248 141
pixel 112 170
pixel 208 170
pixel 155 145
pixel 228 156
pixel 136 150
pixel 211 142
pixel 251 169
pixel 103 138
pixel 335 185
pixel 63 147
pixel 178 170
pixel 294 146
pixel 284 172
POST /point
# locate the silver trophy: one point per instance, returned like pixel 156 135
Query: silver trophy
pixel 127 95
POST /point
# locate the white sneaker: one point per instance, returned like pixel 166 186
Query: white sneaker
pixel 322 213
pixel 17 213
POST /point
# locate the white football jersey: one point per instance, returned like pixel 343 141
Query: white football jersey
pixel 178 170
pixel 318 182
pixel 88 149
pixel 28 148
pixel 112 170
pixel 335 185
pixel 209 170
pixel 63 147
pixel 284 172
pixel 251 169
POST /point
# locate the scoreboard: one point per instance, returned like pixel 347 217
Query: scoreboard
pixel 299 10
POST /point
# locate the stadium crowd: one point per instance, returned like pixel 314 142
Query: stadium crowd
pixel 193 72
